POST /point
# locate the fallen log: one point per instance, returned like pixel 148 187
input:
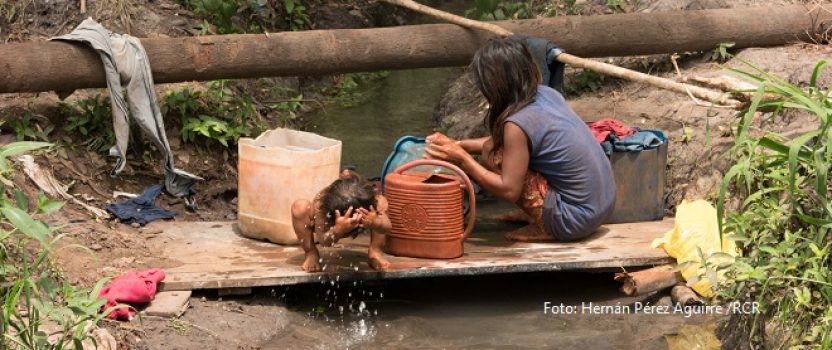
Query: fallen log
pixel 43 66
pixel 683 295
pixel 648 281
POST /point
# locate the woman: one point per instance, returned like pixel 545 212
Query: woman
pixel 540 154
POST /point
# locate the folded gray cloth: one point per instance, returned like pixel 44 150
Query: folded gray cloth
pixel 126 61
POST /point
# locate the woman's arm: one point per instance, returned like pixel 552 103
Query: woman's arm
pixel 507 185
pixel 474 146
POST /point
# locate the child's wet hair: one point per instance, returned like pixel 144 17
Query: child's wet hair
pixel 348 191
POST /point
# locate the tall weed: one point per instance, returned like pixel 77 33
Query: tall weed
pixel 781 216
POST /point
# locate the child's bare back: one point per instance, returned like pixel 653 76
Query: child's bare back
pixel 345 208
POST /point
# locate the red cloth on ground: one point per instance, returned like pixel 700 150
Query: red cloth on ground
pixel 602 128
pixel 134 288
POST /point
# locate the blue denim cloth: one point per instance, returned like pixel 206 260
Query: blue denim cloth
pixel 640 141
pixel 141 209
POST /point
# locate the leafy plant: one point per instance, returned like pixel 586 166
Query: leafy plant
pixel 216 115
pixel 220 13
pixel 586 80
pixel 12 149
pixel 782 217
pixel 288 109
pixel 28 129
pixel 353 88
pixel 495 10
pixel 34 300
pixel 296 15
pixel 721 54
pixel 91 118
pixel 616 5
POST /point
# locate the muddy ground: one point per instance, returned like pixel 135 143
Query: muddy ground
pixel 700 138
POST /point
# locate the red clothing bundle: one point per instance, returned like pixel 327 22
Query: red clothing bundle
pixel 134 288
pixel 602 128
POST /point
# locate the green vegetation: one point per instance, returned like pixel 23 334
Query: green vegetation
pixel 235 16
pixel 33 297
pixel 781 217
pixel 352 89
pixel 495 10
pixel 616 5
pixel 217 12
pixel 296 15
pixel 91 118
pixel 586 80
pixel 721 54
pixel 214 116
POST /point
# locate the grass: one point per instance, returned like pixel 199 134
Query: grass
pixel 33 294
pixel 774 201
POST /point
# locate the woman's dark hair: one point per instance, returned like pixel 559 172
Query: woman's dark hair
pixel 507 75
pixel 348 191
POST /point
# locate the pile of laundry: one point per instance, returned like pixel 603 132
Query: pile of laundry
pixel 615 136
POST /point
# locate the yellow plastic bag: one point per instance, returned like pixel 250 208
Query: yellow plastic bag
pixel 696 227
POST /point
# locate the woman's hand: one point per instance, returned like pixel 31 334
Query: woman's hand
pixel 445 148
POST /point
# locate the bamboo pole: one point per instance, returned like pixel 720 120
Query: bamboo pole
pixel 578 62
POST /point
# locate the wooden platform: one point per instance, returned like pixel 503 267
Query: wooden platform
pixel 209 255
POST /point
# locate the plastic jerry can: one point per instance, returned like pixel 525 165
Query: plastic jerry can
pixel 277 168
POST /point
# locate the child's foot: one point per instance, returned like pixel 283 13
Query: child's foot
pixel 378 262
pixel 312 262
pixel 529 233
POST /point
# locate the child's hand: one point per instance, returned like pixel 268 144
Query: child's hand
pixel 368 218
pixel 346 223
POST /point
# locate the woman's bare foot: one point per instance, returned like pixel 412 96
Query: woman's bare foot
pixel 529 233
pixel 312 262
pixel 378 262
pixel 516 215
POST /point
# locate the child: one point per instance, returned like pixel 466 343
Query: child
pixel 347 207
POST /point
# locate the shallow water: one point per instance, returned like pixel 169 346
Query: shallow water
pixel 481 312
pixel 401 104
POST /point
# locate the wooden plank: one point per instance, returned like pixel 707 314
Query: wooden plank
pixel 211 255
pixel 169 304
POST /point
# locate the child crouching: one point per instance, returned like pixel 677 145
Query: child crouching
pixel 347 207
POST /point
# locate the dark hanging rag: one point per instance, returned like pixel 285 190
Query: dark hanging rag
pixel 141 209
pixel 545 53
pixel 126 66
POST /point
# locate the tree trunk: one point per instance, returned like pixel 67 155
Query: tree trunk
pixel 42 66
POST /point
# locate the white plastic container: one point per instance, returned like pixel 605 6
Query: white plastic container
pixel 276 169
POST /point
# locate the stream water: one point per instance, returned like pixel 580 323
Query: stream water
pixel 464 312
pixel 401 104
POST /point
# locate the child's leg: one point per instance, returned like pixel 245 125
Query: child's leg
pixel 376 257
pixel 301 216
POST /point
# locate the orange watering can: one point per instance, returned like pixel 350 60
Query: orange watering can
pixel 426 210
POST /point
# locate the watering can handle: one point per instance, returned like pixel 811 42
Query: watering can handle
pixel 472 198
